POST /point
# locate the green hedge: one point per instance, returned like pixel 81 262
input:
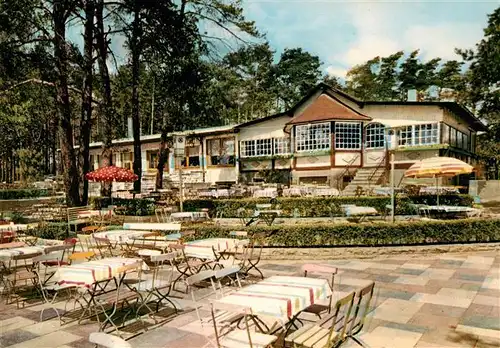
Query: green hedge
pixel 323 207
pixel 409 233
pixel 23 193
pixel 51 230
pixel 135 207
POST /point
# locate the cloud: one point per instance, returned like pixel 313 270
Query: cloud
pixel 336 71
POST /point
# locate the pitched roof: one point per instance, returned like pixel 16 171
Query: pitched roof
pixel 327 107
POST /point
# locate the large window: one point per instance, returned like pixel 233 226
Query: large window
pixel 312 137
pixel 375 136
pixel 405 136
pixel 221 152
pixel 247 148
pixel 192 157
pixel 152 157
pixel 281 146
pixel 127 160
pixel 348 135
pixel 426 134
pixel 263 147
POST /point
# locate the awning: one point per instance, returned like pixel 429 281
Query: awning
pixel 397 123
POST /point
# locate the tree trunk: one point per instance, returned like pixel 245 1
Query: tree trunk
pixel 136 122
pixel 85 126
pixel 70 174
pixel 107 104
pixel 163 155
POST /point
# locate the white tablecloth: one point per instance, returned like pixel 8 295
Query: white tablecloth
pixel 281 297
pixel 121 236
pixel 16 227
pixel 152 226
pixel 202 248
pixel 355 210
pixel 266 193
pixel 7 254
pixel 190 215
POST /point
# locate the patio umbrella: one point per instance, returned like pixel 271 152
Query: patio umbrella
pixel 436 167
pixel 111 174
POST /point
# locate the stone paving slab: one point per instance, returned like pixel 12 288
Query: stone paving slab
pixel 425 301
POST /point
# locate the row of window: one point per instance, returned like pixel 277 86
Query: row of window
pixel 458 139
pixel 421 134
pixel 265 147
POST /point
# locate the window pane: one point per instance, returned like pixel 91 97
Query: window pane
pixel 426 134
pixel 446 133
pixel 221 151
pixel 313 137
pixel 263 147
pixel 375 136
pixel 247 148
pixel 347 135
pixel 404 136
pixel 281 146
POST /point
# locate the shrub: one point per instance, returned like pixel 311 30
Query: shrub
pixel 135 207
pixel 23 193
pixel 323 207
pixel 407 233
pixel 51 230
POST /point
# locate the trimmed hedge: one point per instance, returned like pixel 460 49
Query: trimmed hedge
pixel 373 234
pixel 23 193
pixel 323 207
pixel 135 207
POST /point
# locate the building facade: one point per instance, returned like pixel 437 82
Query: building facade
pixel 325 138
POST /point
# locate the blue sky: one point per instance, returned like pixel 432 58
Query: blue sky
pixel 346 33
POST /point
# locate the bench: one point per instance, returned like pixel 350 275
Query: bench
pixel 74 216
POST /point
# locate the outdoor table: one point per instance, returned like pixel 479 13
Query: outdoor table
pixel 94 276
pixel 280 297
pixel 292 192
pixel 152 226
pixel 268 216
pixel 266 193
pixel 8 254
pixel 12 245
pixel 326 192
pixel 190 216
pixel 120 236
pixel 14 227
pixel 204 248
pixel 358 214
pixel 445 211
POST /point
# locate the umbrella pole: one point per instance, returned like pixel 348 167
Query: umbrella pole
pixel 437 190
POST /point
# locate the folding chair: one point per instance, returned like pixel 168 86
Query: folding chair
pixel 104 247
pixel 81 257
pixel 48 289
pixel 158 286
pixel 235 338
pixel 253 259
pixel 323 334
pixel 362 307
pixel 318 308
pixel 185 266
pixel 19 276
pixel 123 295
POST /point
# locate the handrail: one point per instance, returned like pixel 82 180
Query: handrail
pixel 379 165
pixel 346 170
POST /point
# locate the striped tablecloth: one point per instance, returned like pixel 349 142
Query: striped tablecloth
pixel 202 248
pixel 7 254
pixel 281 297
pixel 87 273
pixel 147 226
pixel 120 236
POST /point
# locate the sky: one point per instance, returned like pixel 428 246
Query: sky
pixel 346 33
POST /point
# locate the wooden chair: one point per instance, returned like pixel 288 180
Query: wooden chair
pixel 323 334
pixel 73 215
pixel 237 338
pixel 362 307
pixel 81 257
pixel 318 308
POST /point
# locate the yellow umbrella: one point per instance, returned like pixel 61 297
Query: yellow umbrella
pixel 435 167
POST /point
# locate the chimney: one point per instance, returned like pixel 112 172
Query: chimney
pixel 130 132
pixel 411 95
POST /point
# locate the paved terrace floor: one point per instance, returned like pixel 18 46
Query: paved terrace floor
pixel 440 300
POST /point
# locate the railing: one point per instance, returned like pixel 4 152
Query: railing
pixel 346 170
pixel 382 163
